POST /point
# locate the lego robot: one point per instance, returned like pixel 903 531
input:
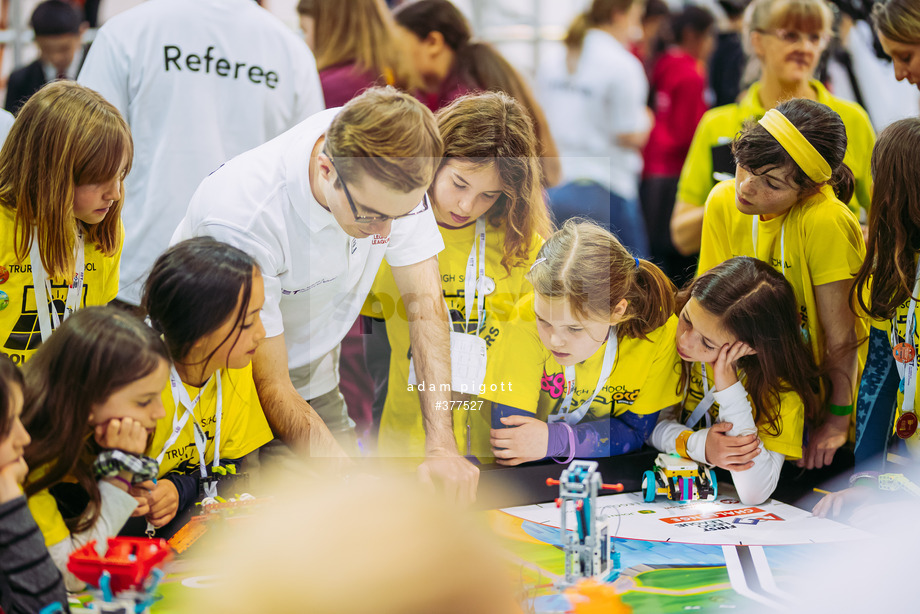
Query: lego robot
pixel 679 479
pixel 588 550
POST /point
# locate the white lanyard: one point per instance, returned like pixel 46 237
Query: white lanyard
pixel 475 284
pixel 908 371
pixel 181 399
pixel 47 313
pixel 706 402
pixel 574 417
pixel 782 241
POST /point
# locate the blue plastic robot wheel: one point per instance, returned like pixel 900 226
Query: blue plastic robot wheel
pixel 715 484
pixel 649 486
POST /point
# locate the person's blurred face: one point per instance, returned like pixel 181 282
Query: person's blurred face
pixel 308 26
pixel 58 50
pixel 790 56
pixel 905 57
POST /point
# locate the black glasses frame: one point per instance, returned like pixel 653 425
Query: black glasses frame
pixel 374 219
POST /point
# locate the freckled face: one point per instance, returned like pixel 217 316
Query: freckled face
pixel 771 192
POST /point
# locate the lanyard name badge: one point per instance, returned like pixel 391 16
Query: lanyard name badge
pixel 468 351
pixel 48 318
pixel 573 417
pixel 703 408
pixel 905 355
pixel 181 399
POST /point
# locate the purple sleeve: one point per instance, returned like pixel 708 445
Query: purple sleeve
pixel 607 437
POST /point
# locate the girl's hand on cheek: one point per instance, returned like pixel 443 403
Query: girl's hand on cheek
pixel 125 434
pixel 526 441
pixel 725 368
pixel 12 475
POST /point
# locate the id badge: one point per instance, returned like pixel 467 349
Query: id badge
pixel 467 364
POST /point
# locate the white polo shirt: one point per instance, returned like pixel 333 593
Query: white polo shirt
pixel 316 276
pixel 588 109
pixel 198 81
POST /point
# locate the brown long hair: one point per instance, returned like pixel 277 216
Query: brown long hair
pixel 482 67
pixel 491 72
pixel 898 20
pixel 894 222
pixel 757 306
pixel 95 352
pixel 493 129
pixel 64 136
pixel 588 267
pixel 359 31
pixel 755 148
pixel 10 378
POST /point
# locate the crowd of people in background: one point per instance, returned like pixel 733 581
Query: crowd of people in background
pixel 228 245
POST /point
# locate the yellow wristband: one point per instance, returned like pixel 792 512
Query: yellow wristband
pixel 681 443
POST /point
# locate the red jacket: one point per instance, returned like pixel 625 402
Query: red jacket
pixel 679 84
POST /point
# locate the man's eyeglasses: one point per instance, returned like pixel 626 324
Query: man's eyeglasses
pixel 794 37
pixel 379 218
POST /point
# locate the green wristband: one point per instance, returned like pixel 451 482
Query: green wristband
pixel 840 410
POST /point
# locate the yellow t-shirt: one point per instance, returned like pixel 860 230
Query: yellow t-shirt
pixel 48 517
pixel 44 507
pixel 243 425
pixel 401 430
pixel 720 125
pixel 823 242
pixel 791 416
pixel 20 334
pixel 645 377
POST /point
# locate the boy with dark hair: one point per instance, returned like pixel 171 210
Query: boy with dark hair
pixel 59 29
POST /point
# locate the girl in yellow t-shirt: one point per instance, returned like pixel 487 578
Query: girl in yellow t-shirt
pixel 61 173
pixel 204 296
pixel 491 214
pixel 92 397
pixel 785 40
pixel 590 359
pixel 741 316
pixel 886 289
pixel 786 208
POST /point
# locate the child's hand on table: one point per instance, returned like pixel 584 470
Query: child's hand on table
pixel 526 441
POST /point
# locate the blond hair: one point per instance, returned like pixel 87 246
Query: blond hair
pixel 599 13
pixel 492 128
pixel 588 267
pixel 359 31
pixel 388 135
pixel 898 20
pixel 65 136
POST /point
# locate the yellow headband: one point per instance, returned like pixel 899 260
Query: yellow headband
pixel 797 146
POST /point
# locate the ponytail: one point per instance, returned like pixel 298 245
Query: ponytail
pixel 844 183
pixel 575 36
pixel 599 13
pixel 650 301
pixel 588 267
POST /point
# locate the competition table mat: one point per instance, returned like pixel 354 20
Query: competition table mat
pixel 698 556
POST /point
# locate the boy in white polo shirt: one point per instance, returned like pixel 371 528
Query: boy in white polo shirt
pixel 319 208
pixel 198 82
